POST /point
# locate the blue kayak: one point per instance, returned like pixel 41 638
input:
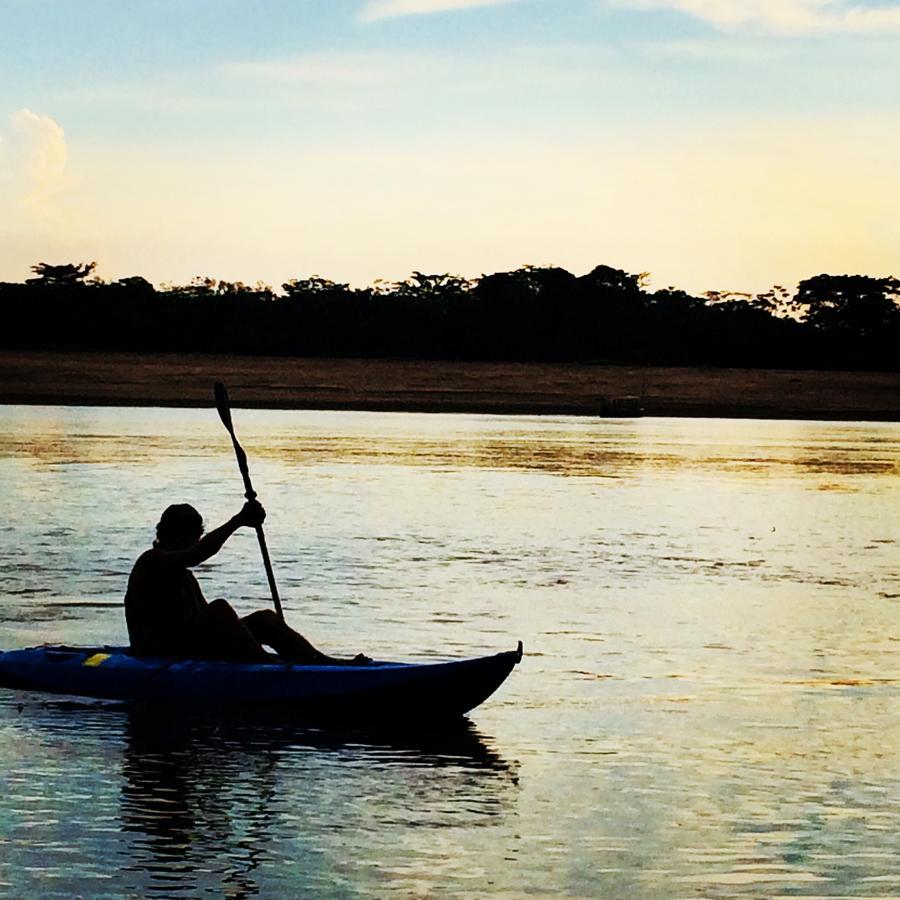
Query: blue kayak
pixel 380 690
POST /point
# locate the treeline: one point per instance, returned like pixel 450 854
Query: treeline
pixel 530 314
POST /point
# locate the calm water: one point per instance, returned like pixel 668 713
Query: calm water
pixel 707 707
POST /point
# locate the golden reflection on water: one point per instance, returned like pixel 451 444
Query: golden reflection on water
pixel 555 445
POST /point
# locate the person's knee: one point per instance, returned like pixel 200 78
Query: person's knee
pixel 221 610
pixel 263 624
pixel 262 617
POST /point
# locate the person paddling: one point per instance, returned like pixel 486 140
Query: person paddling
pixel 167 614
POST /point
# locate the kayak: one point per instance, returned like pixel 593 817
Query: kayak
pixel 379 690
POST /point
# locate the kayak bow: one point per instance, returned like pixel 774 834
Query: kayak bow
pixel 380 690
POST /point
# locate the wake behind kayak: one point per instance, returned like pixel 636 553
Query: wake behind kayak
pixel 384 690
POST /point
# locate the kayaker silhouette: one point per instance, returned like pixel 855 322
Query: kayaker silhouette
pixel 167 614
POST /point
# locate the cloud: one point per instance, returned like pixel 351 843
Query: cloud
pixel 33 161
pixel 375 10
pixel 37 217
pixel 783 16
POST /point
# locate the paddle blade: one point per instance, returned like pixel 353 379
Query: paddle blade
pixel 223 406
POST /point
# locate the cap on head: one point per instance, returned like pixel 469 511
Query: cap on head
pixel 176 522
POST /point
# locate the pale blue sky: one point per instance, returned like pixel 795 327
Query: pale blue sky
pixel 715 143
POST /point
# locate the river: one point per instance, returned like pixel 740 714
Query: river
pixel 707 706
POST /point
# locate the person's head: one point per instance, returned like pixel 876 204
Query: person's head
pixel 179 527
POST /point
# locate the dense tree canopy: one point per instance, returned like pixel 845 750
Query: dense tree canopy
pixel 857 305
pixel 531 313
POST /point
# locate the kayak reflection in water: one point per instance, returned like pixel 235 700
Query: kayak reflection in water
pixel 168 615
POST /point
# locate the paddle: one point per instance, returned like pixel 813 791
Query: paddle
pixel 224 408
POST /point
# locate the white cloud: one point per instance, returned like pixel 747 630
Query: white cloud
pixel 37 220
pixel 783 16
pixel 390 9
pixel 33 161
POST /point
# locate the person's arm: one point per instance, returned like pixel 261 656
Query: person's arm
pixel 211 543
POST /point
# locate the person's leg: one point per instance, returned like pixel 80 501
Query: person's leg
pixel 267 628
pixel 290 645
pixel 222 635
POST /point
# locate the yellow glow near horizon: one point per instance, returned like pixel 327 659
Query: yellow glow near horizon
pixel 770 203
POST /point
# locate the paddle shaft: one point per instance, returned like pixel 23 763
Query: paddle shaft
pixel 224 409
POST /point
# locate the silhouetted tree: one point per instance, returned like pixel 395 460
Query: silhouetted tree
pixel 298 288
pixel 857 305
pixel 777 301
pixel 65 275
pixel 135 284
pixel 198 286
pixel 430 287
pixel 610 279
pixel 530 313
pixel 509 313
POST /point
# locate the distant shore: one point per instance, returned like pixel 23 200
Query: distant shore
pixel 125 379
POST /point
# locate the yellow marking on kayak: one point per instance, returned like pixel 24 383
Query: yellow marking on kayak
pixel 96 659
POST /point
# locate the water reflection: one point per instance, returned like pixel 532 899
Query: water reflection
pixel 572 446
pixel 189 791
pixel 221 799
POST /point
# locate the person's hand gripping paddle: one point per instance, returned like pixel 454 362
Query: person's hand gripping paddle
pixel 224 408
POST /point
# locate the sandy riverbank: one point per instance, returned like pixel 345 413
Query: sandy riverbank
pixel 423 386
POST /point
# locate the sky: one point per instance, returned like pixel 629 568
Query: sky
pixel 716 144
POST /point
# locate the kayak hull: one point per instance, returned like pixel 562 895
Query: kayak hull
pixel 381 690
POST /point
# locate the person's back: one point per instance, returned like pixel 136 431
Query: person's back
pixel 163 605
